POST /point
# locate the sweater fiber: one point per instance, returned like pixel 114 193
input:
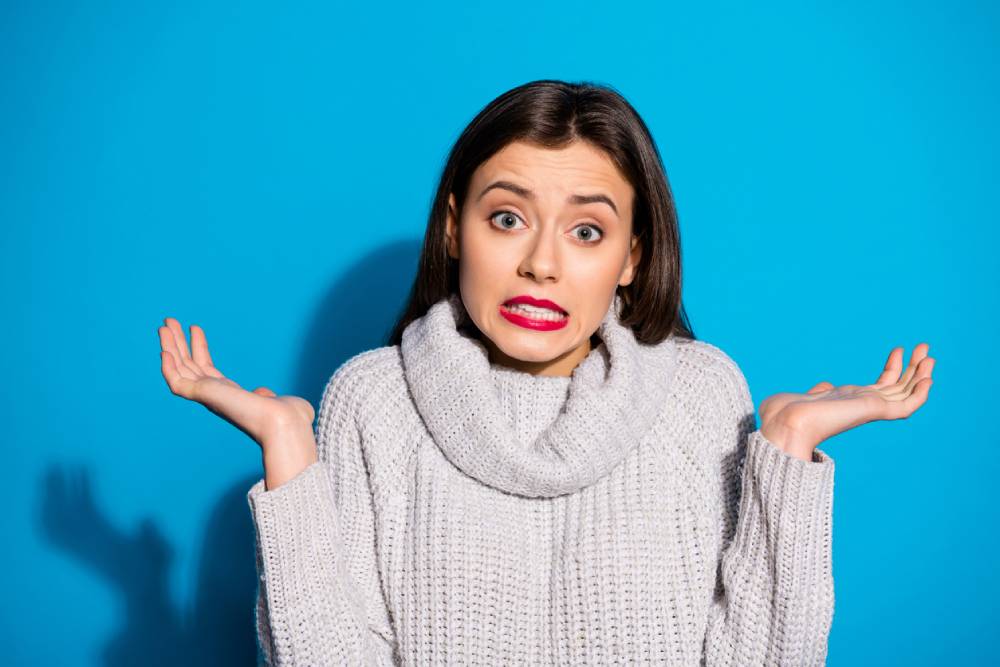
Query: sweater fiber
pixel 463 512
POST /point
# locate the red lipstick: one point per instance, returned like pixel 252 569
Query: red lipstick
pixel 529 322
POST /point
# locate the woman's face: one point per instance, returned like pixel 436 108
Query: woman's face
pixel 547 224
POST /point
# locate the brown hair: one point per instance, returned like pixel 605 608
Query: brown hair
pixel 552 113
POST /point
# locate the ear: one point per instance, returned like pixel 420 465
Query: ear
pixel 628 273
pixel 451 228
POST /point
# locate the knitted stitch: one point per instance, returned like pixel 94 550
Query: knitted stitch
pixel 463 512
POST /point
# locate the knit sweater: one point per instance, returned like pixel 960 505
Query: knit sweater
pixel 464 512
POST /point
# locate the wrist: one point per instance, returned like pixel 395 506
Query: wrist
pixel 285 457
pixel 788 440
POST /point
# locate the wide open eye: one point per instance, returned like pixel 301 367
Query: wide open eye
pixel 589 236
pixel 506 217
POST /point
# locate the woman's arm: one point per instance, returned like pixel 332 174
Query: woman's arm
pixel 774 599
pixel 319 599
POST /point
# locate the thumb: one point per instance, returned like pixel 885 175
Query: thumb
pixel 822 386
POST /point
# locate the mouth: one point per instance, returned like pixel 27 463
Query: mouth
pixel 538 318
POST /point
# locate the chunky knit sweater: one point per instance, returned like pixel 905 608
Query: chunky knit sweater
pixel 463 512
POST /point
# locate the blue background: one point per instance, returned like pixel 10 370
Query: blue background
pixel 266 172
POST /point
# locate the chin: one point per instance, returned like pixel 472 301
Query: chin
pixel 538 350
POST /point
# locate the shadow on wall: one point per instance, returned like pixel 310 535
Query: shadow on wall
pixel 356 315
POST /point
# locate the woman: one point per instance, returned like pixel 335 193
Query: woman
pixel 544 466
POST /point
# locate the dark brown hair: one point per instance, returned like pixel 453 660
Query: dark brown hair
pixel 551 114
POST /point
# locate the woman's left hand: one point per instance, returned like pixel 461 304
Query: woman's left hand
pixel 798 423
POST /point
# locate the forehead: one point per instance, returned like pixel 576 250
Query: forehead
pixel 576 167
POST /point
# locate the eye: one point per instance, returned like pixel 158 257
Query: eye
pixel 589 236
pixel 506 217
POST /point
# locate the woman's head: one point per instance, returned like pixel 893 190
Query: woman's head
pixel 556 191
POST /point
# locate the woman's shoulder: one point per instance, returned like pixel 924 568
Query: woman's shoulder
pixel 367 397
pixel 371 364
pixel 369 390
pixel 369 377
pixel 707 369
pixel 699 356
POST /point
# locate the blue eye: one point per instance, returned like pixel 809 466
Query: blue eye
pixel 588 238
pixel 504 215
pixel 509 219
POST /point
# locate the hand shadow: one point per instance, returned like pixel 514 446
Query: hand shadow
pixel 218 629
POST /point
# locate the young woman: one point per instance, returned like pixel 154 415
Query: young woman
pixel 544 466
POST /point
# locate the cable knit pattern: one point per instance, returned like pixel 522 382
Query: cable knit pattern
pixel 608 409
pixel 468 513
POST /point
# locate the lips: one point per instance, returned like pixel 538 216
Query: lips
pixel 532 323
pixel 526 321
pixel 538 303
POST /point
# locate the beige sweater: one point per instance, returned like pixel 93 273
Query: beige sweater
pixel 468 513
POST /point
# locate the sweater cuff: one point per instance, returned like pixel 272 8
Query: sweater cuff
pixel 303 487
pixel 767 457
pixel 788 483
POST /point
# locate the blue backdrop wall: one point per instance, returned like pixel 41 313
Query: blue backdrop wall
pixel 266 172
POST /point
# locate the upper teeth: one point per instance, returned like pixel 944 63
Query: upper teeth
pixel 535 310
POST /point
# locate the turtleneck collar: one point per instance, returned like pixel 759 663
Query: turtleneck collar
pixel 533 435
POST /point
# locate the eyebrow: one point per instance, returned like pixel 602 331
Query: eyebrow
pixel 528 194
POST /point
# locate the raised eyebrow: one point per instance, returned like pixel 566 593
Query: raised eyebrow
pixel 507 185
pixel 591 199
pixel 528 194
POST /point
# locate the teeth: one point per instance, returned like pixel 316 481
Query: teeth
pixel 535 312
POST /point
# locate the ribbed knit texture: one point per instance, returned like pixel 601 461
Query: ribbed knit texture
pixel 468 513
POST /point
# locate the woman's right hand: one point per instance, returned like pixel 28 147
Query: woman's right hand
pixel 281 425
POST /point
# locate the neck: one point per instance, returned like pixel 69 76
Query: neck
pixel 524 434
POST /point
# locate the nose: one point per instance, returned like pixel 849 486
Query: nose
pixel 542 259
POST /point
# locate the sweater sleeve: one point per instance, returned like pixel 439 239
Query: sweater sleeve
pixel 319 596
pixel 773 600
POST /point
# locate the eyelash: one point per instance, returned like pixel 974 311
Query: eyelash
pixel 588 224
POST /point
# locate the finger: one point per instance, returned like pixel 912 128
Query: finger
pixel 199 351
pixel 169 345
pixel 924 370
pixel 264 391
pixel 181 354
pixel 178 384
pixel 821 387
pixel 918 355
pixel 918 397
pixel 891 370
pixel 182 345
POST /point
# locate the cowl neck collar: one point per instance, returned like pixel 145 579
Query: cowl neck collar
pixel 533 435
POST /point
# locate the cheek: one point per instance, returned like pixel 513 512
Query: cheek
pixel 479 271
pixel 596 267
pixel 482 257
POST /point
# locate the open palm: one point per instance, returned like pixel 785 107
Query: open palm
pixel 190 373
pixel 826 409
